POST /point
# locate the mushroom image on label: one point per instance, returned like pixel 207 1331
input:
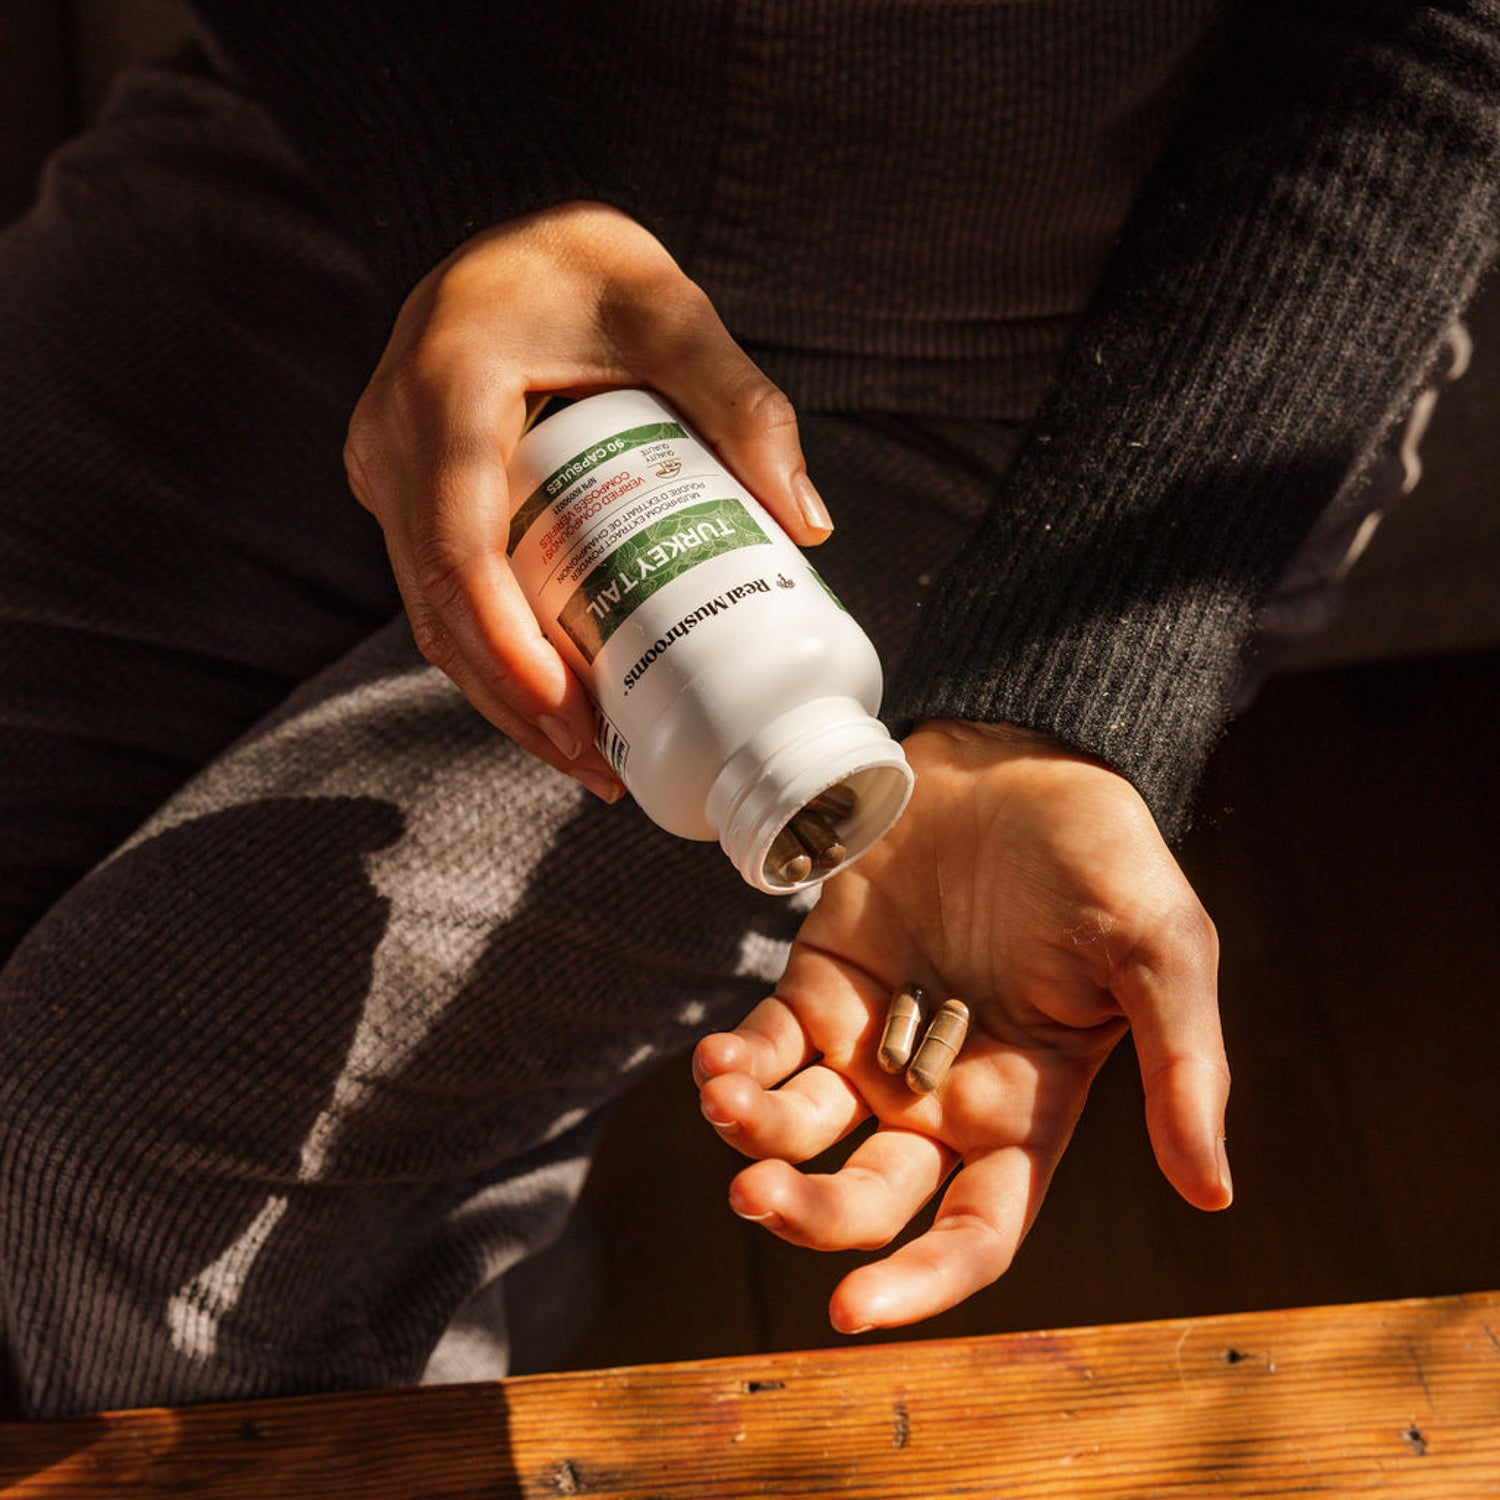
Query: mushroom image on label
pixel 737 698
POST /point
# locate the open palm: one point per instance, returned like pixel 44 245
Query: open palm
pixel 1032 884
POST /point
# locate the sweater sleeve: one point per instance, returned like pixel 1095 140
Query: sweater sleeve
pixel 420 124
pixel 1317 222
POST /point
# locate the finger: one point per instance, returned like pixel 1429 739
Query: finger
pixel 769 1045
pixel 755 434
pixel 980 1224
pixel 442 500
pixel 470 609
pixel 870 1199
pixel 463 643
pixel 1172 1002
pixel 747 419
pixel 809 1113
pixel 1185 1104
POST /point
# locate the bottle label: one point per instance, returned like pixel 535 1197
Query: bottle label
pixel 616 522
pixel 681 628
pixel 560 489
pixel 649 559
pixel 613 745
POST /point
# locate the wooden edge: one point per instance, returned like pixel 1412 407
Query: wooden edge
pixel 1394 1398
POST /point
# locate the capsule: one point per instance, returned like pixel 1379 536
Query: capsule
pixel 835 802
pixel 940 1044
pixel 788 861
pixel 903 1019
pixel 820 838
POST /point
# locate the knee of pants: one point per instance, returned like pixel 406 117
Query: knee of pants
pixel 156 1033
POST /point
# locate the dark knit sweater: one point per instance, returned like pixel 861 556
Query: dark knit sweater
pixel 1320 208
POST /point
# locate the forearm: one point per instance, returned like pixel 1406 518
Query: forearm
pixel 1319 219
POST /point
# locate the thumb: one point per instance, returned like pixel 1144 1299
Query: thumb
pixel 1185 1102
pixel 1172 1005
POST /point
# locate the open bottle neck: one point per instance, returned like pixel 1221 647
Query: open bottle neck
pixel 790 763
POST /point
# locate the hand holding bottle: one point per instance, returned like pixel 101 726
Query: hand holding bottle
pixel 575 299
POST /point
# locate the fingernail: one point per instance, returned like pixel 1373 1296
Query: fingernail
pixel 1225 1180
pixel 561 734
pixel 719 1124
pixel 838 1327
pixel 605 788
pixel 810 503
pixel 767 1218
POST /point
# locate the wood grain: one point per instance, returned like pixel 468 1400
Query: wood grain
pixel 1390 1399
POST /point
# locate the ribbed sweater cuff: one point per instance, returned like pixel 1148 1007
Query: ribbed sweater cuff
pixel 416 142
pixel 1274 301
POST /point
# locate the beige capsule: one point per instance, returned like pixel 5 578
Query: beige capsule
pixel 820 838
pixel 836 802
pixel 940 1045
pixel 903 1020
pixel 788 861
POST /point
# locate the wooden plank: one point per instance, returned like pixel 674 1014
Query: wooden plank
pixel 1394 1399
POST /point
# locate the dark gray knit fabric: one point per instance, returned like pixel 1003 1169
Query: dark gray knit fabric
pixel 1293 268
pixel 320 1053
pixel 896 205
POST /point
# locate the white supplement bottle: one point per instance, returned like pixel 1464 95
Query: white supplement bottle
pixel 734 691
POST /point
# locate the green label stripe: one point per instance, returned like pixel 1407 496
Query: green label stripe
pixel 606 449
pixel 653 556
